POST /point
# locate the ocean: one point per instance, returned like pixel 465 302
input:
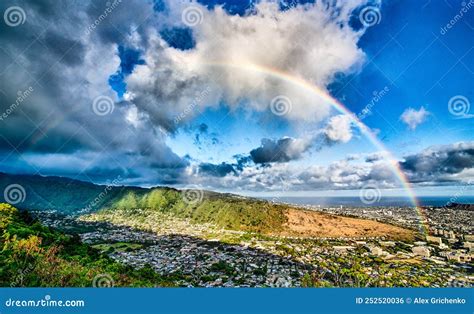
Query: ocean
pixel 384 201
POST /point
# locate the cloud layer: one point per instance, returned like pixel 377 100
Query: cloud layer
pixel 231 53
pixel 57 128
pixel 438 164
pixel 69 60
pixel 71 56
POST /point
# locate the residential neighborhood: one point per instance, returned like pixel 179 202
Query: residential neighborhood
pixel 206 256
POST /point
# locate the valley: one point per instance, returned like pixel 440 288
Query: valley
pixel 167 238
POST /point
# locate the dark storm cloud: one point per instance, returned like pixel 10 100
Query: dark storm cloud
pixel 375 157
pixel 68 64
pixel 225 168
pixel 440 164
pixel 242 161
pixel 66 50
pixel 282 150
pixel 219 170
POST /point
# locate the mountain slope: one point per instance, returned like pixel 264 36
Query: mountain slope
pixel 73 197
pixel 64 195
pixel 225 211
pixel 34 255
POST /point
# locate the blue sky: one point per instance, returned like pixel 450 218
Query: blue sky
pixel 162 92
pixel 425 72
pixel 421 66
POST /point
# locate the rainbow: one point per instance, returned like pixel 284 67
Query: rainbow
pixel 338 106
pixel 304 84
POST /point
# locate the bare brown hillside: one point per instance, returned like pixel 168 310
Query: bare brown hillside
pixel 316 224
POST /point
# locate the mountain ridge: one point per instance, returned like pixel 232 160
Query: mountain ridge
pixel 226 211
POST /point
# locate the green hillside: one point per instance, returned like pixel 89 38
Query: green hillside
pixel 33 255
pixel 73 197
pixel 64 195
pixel 224 210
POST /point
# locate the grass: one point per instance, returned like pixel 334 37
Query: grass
pixel 220 210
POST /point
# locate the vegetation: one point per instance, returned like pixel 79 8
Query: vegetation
pixel 33 255
pixel 67 196
pixel 110 248
pixel 224 211
pixel 36 256
pixel 73 197
pixel 222 267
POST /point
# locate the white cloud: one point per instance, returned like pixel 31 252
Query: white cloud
pixel 413 117
pixel 339 129
pixel 341 174
pixel 313 42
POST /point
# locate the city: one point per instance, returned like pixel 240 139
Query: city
pixel 207 256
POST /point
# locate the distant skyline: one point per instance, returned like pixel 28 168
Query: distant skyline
pixel 251 97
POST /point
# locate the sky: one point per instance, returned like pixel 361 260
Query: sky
pixel 251 97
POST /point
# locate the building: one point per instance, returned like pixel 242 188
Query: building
pixel 343 248
pixel 435 240
pixel 461 257
pixel 469 237
pixel 377 251
pixel 422 251
pixel 469 246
